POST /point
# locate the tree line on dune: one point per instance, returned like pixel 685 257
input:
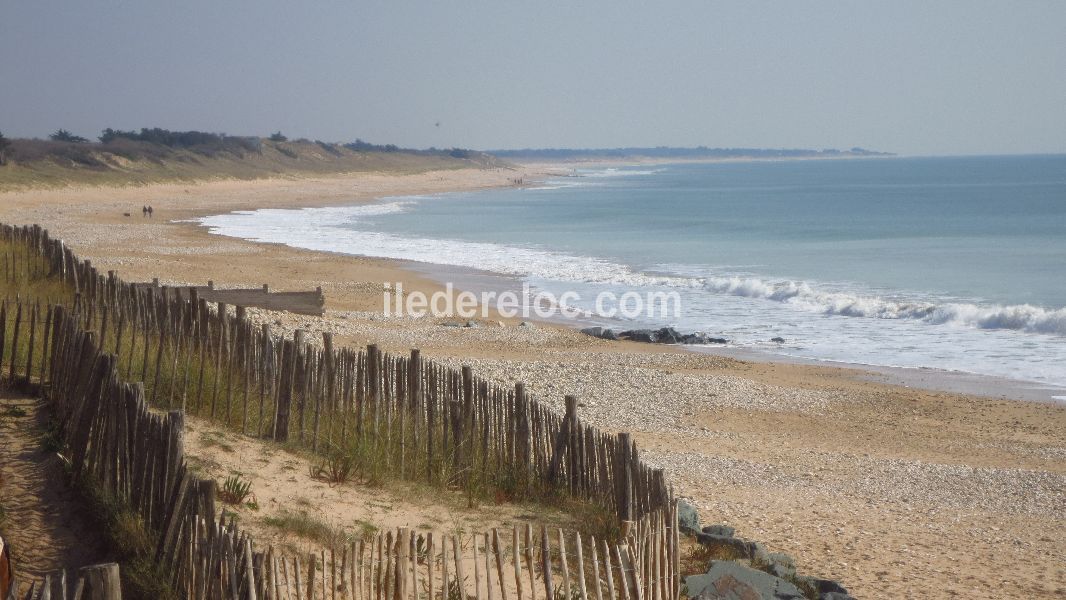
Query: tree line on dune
pixel 155 144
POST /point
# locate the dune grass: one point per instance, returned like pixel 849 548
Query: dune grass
pixel 60 165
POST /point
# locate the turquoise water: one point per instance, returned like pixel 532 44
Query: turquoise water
pixel 949 263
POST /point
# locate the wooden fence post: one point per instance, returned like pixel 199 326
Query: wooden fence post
pixel 101 582
pixel 15 342
pixel 625 444
pixel 281 420
pixel 403 540
pixel 208 490
pixel 562 443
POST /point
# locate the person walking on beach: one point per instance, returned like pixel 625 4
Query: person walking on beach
pixel 144 210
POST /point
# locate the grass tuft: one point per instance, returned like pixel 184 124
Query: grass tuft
pixel 235 490
pixel 311 528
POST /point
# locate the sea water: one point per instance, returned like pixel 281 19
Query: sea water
pixel 955 263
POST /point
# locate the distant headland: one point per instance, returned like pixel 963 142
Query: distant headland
pixel 668 152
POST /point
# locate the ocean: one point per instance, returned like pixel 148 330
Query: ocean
pixel 954 263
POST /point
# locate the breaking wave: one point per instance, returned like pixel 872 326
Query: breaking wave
pixel 331 229
pixel 1023 317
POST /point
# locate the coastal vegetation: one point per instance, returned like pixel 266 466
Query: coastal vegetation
pixel 62 135
pixel 4 143
pixel 124 157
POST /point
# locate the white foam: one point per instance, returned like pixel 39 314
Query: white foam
pixel 615 172
pixel 820 320
pixel 330 229
pixel 1024 317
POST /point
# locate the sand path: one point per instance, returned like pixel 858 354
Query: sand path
pixel 44 523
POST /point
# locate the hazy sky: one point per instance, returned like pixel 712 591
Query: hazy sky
pixel 922 77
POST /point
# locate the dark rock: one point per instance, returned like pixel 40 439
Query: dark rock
pixel 699 338
pixel 725 530
pixel 741 548
pixel 781 565
pixel 828 586
pixel 668 335
pixel 721 543
pixel 640 335
pixel 758 553
pixel 779 340
pixel 826 589
pixel 688 520
pixel 728 580
pixel 782 571
pixel 665 335
pixel 600 332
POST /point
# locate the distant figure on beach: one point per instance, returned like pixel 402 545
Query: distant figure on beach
pixel 144 210
pixel 149 211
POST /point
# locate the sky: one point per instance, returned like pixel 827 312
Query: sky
pixel 943 77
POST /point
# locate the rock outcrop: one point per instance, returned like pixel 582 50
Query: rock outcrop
pixel 665 335
pixel 753 573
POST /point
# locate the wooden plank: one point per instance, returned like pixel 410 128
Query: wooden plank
pixel 430 558
pixel 488 569
pixel 529 564
pixel 564 566
pixel 12 371
pixel 444 580
pixel 102 582
pixel 281 421
pixel 516 560
pixel 546 565
pixel 168 541
pixel 477 567
pixel 403 541
pixel 264 364
pixel 598 583
pixel 498 551
pixel 460 579
pixel 3 330
pixel 580 568
pixel 610 560
pixel 35 312
pixel 561 444
pixel 412 565
pixel 360 590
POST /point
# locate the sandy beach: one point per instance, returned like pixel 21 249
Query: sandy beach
pixel 897 492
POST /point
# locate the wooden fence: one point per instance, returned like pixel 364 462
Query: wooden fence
pixel 408 416
pixel 94 582
pixel 304 303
